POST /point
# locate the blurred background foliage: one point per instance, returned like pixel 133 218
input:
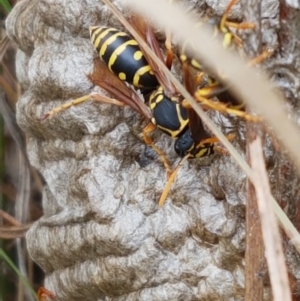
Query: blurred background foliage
pixel 21 185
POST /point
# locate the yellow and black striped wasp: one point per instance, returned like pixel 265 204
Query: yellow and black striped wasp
pixel 130 63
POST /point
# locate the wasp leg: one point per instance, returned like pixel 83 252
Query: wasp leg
pixel 80 100
pixel 213 140
pixel 203 96
pixel 170 53
pixel 220 149
pixel 105 99
pixel 212 90
pixel 224 108
pixel 65 106
pixel 217 148
pixel 170 181
pixel 261 57
pixel 44 294
pixel 146 131
pixel 242 25
pixel 224 24
pixel 226 13
pixel 168 44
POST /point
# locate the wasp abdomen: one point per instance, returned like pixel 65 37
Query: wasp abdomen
pixel 123 57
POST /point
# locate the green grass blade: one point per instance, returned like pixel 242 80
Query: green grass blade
pixel 4 284
pixel 16 270
pixel 6 5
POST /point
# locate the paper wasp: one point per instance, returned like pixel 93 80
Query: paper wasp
pixel 228 103
pixel 166 110
pixel 118 52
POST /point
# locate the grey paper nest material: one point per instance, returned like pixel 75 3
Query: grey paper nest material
pixel 103 236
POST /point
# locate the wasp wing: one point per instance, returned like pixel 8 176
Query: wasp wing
pixel 144 31
pixel 197 130
pixel 102 77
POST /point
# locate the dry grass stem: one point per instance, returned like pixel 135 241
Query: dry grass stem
pixel 270 230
